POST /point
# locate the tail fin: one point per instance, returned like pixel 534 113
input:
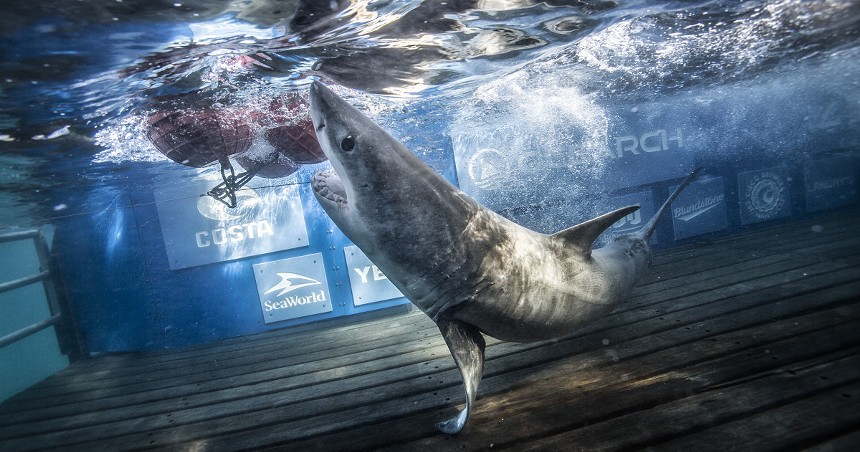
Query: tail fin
pixel 649 227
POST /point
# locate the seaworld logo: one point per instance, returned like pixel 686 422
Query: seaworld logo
pixel 291 302
pixel 654 141
pixel 689 212
pixel 766 195
pixel 290 282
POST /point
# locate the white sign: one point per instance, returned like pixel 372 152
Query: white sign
pixel 368 284
pixel 293 288
pixel 199 229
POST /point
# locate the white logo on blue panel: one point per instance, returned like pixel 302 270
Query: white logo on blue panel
pixel 367 282
pixel 635 220
pixel 213 209
pixel 830 183
pixel 290 282
pixel 489 168
pixel 700 209
pixel 764 195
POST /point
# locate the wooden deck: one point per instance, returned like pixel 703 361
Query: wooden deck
pixel 750 342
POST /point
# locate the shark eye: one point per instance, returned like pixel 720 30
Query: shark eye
pixel 348 143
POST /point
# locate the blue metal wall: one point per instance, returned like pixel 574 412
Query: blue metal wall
pixel 127 295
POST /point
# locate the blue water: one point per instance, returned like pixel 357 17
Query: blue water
pixel 90 72
pixel 518 101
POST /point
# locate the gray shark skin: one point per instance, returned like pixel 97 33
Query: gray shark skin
pixel 469 269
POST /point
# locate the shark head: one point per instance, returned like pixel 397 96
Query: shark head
pixel 377 188
pixel 367 163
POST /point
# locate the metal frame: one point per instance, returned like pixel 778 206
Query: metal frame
pixel 44 276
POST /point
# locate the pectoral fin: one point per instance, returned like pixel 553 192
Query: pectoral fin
pixel 467 347
pixel 583 235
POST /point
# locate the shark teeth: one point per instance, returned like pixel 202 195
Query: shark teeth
pixel 328 185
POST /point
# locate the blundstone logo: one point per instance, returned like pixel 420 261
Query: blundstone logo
pixel 691 211
pixel 766 194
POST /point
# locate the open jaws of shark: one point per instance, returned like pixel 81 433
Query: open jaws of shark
pixel 469 269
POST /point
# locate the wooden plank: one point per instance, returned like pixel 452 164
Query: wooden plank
pixel 302 343
pixel 713 406
pixel 795 425
pixel 375 406
pixel 256 376
pixel 196 373
pixel 757 290
pixel 843 441
pixel 725 277
pixel 658 321
pixel 90 377
pixel 228 365
pixel 730 258
pixel 566 394
pixel 440 350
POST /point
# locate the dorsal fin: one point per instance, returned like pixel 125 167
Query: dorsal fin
pixel 583 235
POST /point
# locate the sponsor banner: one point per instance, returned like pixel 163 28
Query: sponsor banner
pixel 648 155
pixel 764 195
pixel 368 284
pixel 830 183
pixel 502 179
pixel 700 208
pixel 200 230
pixel 636 220
pixel 293 288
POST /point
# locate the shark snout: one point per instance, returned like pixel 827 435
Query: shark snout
pixel 315 102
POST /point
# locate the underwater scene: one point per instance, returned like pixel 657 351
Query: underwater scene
pixel 362 225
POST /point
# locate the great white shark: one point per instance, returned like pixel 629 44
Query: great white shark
pixel 469 269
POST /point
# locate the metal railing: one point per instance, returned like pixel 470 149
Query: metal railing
pixel 43 276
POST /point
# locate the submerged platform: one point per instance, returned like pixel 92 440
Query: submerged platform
pixel 747 342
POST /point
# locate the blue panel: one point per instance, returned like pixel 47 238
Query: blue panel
pixel 700 209
pixel 641 147
pixel 104 265
pixel 764 195
pixel 830 183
